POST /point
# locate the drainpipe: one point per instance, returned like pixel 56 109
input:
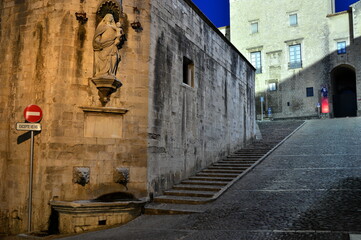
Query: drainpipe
pixel 350 20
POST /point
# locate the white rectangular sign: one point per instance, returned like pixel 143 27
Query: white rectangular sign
pixel 28 126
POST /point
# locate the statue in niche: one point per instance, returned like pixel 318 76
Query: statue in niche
pixel 108 39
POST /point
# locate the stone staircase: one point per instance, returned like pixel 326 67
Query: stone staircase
pixel 208 184
pixel 192 194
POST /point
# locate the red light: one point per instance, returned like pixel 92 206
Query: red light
pixel 325 107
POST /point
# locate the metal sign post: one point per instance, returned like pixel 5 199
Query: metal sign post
pixel 30 203
pixel 318 110
pixel 33 127
pixel 32 114
pixel 262 100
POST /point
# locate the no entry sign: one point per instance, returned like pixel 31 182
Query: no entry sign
pixel 33 113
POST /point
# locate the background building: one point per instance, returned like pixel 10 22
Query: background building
pixel 187 100
pixel 298 47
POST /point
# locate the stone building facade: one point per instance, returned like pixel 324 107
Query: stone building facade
pixel 187 99
pixel 299 47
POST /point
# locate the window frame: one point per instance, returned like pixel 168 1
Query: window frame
pixel 188 72
pixel 257 55
pixel 290 18
pixel 310 90
pixel 295 56
pixel 256 29
pixel 341 50
pixel 273 88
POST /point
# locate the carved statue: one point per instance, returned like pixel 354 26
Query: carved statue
pixel 108 39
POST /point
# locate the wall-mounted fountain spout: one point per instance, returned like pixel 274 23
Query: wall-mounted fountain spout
pixel 81 175
pixel 121 176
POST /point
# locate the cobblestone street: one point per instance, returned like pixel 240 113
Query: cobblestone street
pixel 308 188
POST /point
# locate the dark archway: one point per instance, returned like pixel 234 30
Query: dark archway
pixel 344 91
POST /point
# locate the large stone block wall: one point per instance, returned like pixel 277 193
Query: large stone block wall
pixel 356 49
pixel 47 59
pixel 345 26
pixel 273 40
pixel 192 126
pixel 318 30
pixel 155 127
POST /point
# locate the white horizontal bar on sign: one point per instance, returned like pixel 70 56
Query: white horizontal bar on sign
pixel 32 114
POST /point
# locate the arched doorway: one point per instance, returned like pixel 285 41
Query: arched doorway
pixel 344 91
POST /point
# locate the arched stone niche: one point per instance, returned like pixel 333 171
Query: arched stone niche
pixel 109 6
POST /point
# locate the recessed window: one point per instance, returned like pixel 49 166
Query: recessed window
pixel 295 56
pixel 272 86
pixel 341 47
pixel 309 92
pixel 188 72
pixel 256 61
pixel 293 19
pixel 254 27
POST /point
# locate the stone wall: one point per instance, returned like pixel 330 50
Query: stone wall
pixel 318 31
pixel 155 128
pixel 339 26
pixel 345 26
pixel 47 59
pixel 355 29
pixel 273 39
pixel 192 125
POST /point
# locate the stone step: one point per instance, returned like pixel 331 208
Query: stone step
pixel 248 161
pixel 220 170
pixel 237 162
pixel 256 146
pixel 239 159
pixel 229 167
pixel 216 179
pixel 172 209
pixel 189 193
pixel 246 154
pixel 242 158
pixel 263 151
pixel 253 150
pixel 203 182
pixel 181 200
pixel 219 175
pixel 197 187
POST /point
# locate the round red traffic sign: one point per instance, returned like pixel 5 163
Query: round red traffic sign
pixel 33 113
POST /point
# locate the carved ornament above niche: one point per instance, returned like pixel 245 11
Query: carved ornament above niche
pixel 112 7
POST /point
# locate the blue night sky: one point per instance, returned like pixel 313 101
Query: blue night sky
pixel 218 10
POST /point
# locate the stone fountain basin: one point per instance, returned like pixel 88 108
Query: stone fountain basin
pixel 84 215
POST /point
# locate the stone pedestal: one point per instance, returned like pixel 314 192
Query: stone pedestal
pixel 106 85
